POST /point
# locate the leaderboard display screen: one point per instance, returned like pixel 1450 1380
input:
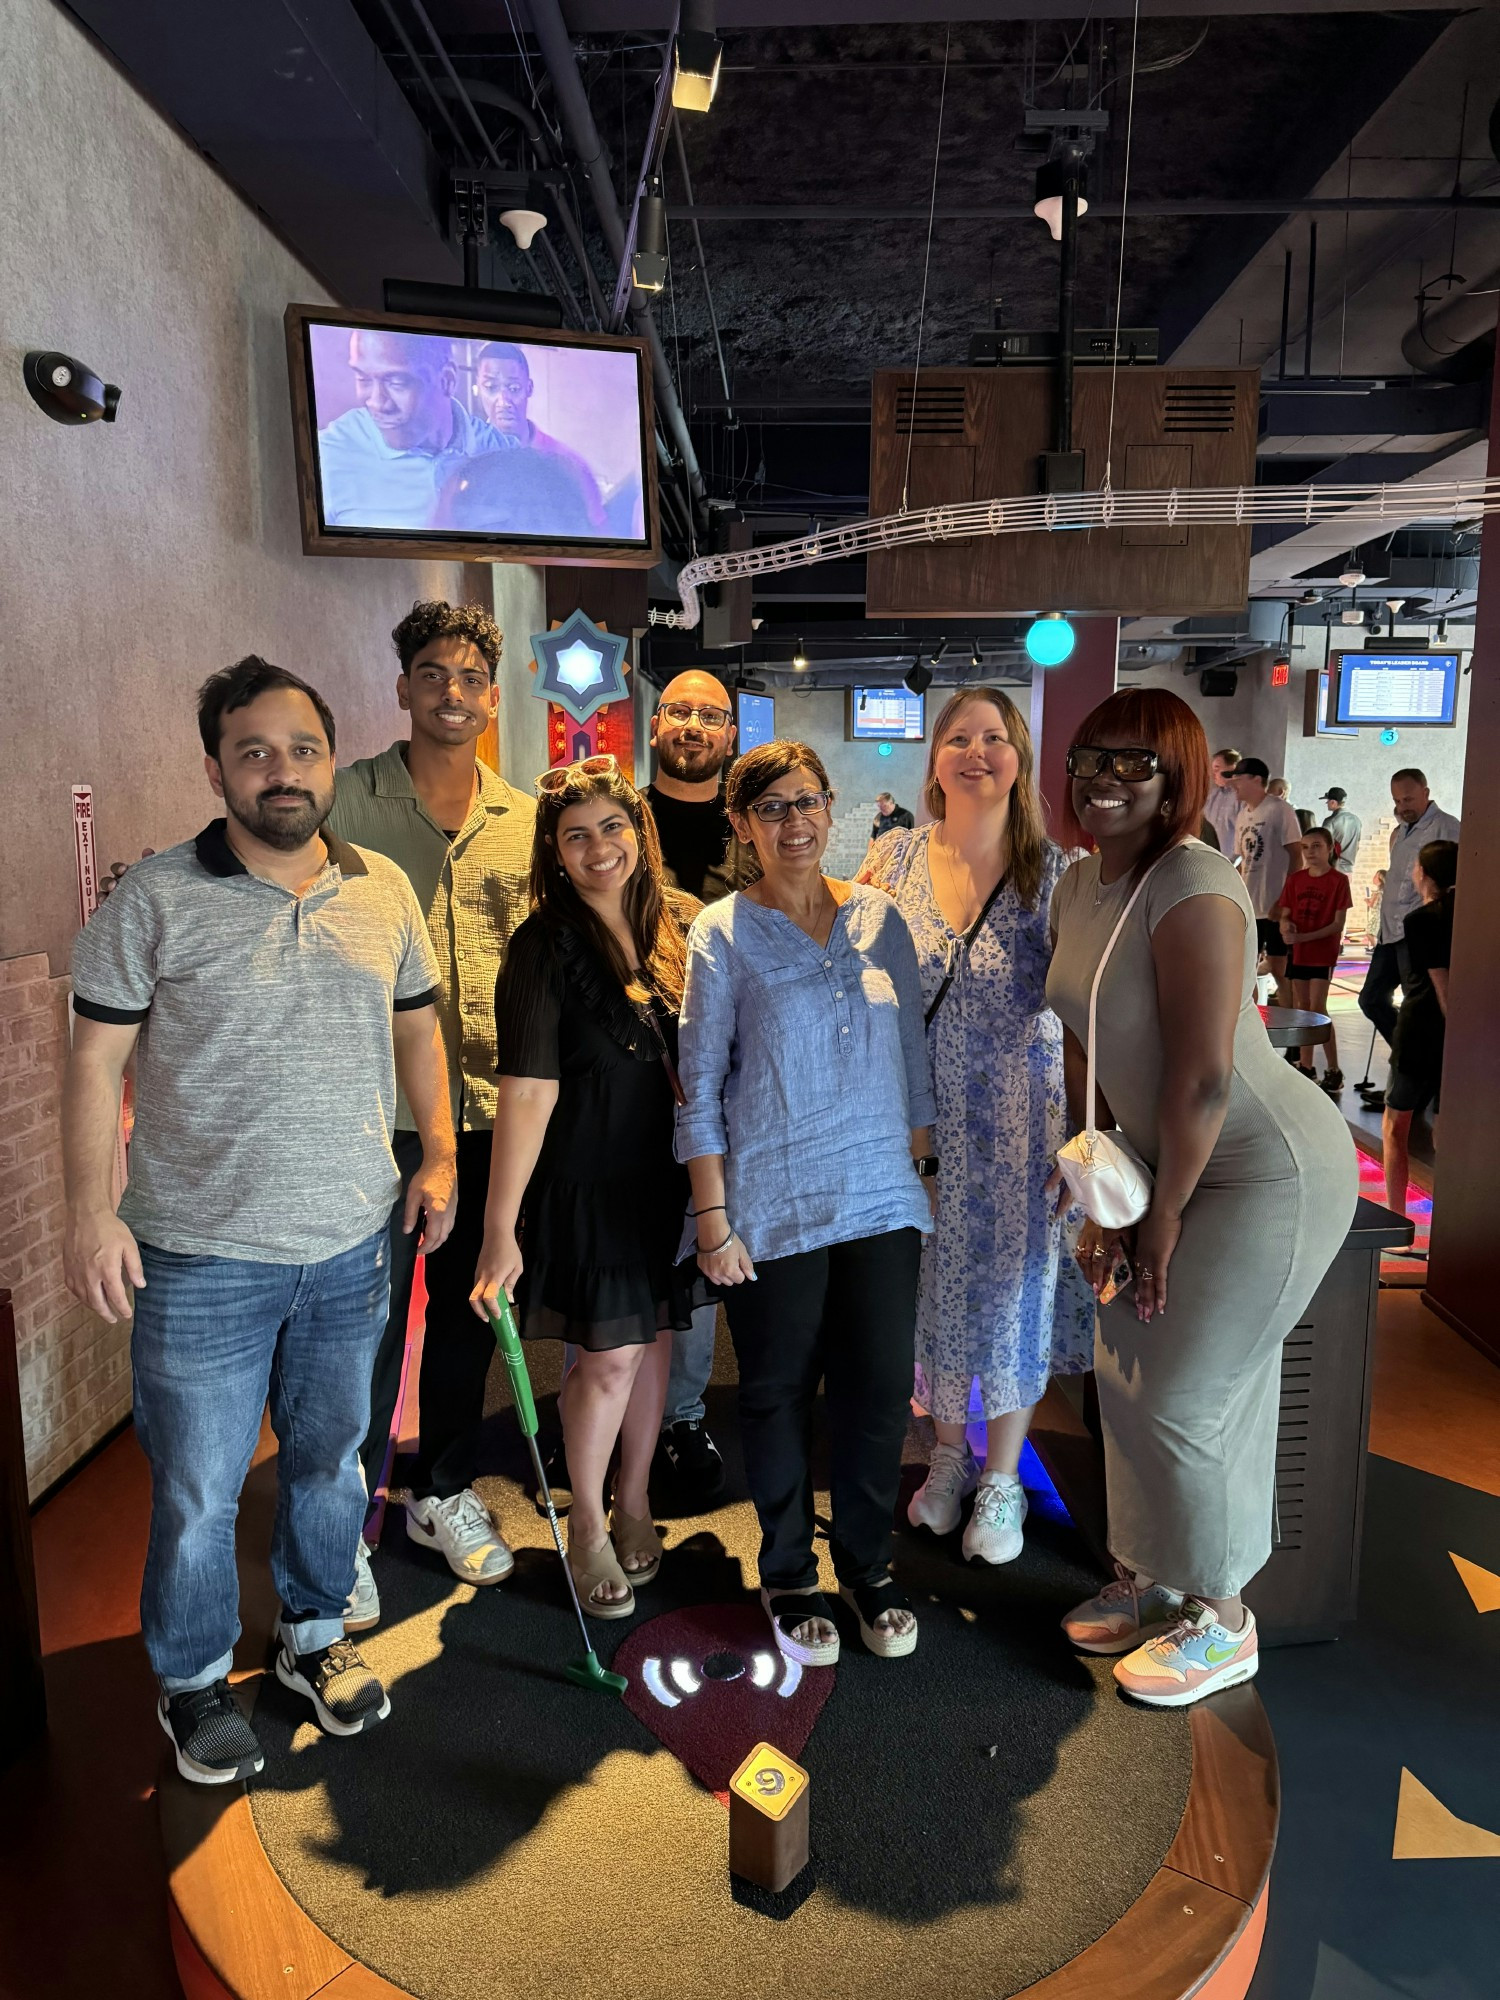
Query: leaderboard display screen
pixel 755 720
pixel 886 715
pixel 1404 690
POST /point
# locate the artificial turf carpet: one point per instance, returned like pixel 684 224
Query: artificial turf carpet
pixel 981 1811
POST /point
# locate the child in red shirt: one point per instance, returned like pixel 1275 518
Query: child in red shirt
pixel 1314 904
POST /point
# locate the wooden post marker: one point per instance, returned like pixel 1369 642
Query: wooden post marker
pixel 768 1818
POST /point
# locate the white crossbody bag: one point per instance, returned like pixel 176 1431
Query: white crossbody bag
pixel 1106 1176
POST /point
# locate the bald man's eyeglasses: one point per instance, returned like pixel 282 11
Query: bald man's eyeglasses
pixel 681 713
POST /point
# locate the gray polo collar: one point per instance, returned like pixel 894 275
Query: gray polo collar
pixel 219 858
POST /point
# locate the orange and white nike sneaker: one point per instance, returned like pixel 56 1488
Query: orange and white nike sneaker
pixel 1196 1657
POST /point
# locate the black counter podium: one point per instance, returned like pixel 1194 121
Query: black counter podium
pixel 1308 1589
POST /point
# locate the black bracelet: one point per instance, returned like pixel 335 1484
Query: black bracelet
pixel 717 1209
pixel 718 1246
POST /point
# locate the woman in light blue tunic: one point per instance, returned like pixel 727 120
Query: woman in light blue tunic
pixel 1001 1300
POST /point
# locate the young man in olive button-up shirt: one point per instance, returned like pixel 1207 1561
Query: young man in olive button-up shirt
pixel 463 836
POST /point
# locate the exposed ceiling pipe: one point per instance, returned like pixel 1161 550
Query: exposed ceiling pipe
pixel 1454 337
pixel 578 122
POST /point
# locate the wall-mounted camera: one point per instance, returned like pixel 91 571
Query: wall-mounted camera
pixel 67 391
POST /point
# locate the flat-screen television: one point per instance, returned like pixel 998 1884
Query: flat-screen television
pixel 755 720
pixel 474 443
pixel 1387 689
pixel 885 715
pixel 1320 689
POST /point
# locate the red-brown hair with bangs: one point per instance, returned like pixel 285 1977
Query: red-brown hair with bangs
pixel 1153 719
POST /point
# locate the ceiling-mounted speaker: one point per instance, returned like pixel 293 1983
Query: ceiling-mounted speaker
pixel 1218 680
pixel 960 435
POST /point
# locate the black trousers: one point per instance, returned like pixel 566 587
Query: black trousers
pixel 457 1348
pixel 1377 997
pixel 846 1316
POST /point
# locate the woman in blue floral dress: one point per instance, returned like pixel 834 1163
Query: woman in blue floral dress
pixel 1001 1300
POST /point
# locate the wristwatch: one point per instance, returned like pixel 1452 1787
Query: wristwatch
pixel 927 1166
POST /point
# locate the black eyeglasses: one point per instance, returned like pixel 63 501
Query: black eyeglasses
pixel 1087 760
pixel 681 713
pixel 772 811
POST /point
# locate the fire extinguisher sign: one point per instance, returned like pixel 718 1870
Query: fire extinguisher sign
pixel 83 849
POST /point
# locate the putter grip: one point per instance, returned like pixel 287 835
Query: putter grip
pixel 508 1340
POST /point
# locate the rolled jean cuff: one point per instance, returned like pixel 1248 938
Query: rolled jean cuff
pixel 690 1413
pixel 183 1683
pixel 311 1635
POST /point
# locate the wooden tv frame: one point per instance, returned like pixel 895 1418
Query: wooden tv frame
pixel 318 540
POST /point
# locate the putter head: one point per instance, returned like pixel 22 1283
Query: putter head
pixel 588 1673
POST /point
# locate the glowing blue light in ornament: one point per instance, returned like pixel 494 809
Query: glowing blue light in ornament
pixel 1050 639
pixel 1390 736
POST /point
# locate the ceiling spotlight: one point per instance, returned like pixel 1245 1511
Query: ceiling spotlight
pixel 1053 180
pixel 1442 632
pixel 917 677
pixel 648 263
pixel 799 659
pixel 696 55
pixel 1049 639
pixel 1353 572
pixel 938 651
pixel 974 656
pixel 1310 597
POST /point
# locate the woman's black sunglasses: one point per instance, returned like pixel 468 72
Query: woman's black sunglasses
pixel 1087 760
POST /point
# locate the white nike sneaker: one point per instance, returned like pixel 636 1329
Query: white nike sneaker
pixel 994 1530
pixel 462 1531
pixel 938 1502
pixel 363 1608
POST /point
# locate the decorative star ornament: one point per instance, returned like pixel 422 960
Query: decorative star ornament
pixel 580 666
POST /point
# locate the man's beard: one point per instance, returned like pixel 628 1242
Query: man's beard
pixel 283 828
pixel 690 764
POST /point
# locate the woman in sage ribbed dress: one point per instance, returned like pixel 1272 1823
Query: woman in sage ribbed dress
pixel 1255 1185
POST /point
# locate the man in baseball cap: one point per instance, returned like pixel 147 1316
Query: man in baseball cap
pixel 1343 828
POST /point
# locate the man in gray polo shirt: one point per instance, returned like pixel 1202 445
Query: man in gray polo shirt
pixel 272 983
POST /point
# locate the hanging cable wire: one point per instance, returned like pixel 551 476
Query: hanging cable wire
pixel 937 151
pixel 1157 68
pixel 1114 365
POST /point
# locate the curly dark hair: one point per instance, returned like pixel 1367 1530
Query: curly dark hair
pixel 433 618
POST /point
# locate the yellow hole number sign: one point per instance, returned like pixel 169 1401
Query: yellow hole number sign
pixel 770 1781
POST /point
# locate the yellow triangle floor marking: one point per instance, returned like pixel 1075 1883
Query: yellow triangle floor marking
pixel 1427 1831
pixel 1482 1584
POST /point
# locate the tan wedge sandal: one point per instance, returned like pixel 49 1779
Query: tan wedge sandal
pixel 590 1568
pixel 636 1537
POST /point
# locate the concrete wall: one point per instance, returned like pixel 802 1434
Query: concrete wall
pixel 520 610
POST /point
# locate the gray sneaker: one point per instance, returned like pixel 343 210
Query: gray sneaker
pixel 363 1608
pixel 345 1695
pixel 461 1530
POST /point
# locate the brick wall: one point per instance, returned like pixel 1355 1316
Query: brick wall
pixel 75 1369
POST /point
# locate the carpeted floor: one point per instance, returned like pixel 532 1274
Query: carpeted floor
pixel 981 1811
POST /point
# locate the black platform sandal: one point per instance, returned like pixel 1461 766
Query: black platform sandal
pixel 787 1609
pixel 867 1601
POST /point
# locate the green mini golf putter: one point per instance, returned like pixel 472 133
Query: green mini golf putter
pixel 586 1672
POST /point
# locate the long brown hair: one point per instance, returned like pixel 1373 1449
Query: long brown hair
pixel 1158 720
pixel 1026 829
pixel 651 908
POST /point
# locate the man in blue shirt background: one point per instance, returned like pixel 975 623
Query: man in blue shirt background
pixel 384 462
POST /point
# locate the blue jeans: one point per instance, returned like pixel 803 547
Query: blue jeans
pixel 213 1337
pixel 688 1371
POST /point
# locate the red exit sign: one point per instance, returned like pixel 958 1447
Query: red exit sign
pixel 1281 673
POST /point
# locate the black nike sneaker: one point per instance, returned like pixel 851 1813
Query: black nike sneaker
pixel 345 1695
pixel 213 1742
pixel 689 1459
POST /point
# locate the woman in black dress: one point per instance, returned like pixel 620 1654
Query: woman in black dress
pixel 583 1185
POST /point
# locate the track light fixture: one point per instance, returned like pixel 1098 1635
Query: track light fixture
pixel 938 651
pixel 799 659
pixel 974 655
pixel 696 55
pixel 648 263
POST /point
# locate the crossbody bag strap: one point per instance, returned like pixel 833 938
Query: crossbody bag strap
pixel 1090 1101
pixel 968 939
